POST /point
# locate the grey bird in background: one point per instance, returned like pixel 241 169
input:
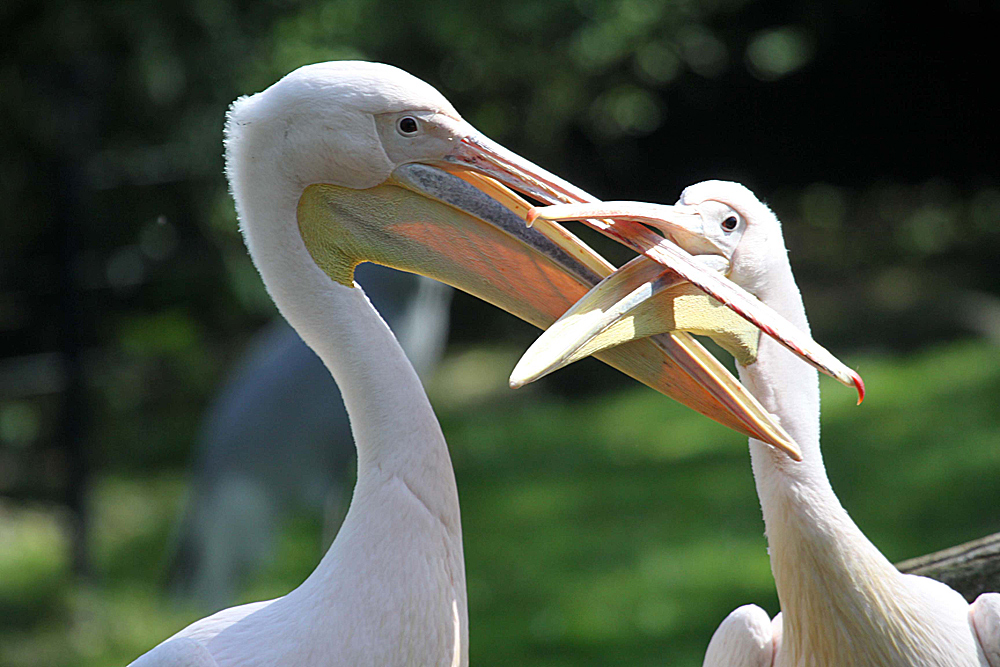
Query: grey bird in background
pixel 276 440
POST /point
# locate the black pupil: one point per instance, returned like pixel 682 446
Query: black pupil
pixel 407 125
pixel 729 223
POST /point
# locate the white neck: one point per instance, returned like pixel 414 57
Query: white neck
pixel 831 581
pixel 400 546
pixel 394 426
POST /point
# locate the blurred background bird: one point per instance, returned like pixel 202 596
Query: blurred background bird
pixel 126 296
pixel 276 441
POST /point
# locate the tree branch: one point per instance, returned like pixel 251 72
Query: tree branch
pixel 971 568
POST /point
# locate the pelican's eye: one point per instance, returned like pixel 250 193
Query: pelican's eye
pixel 729 224
pixel 407 126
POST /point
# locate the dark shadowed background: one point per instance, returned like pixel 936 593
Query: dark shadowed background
pixel 603 524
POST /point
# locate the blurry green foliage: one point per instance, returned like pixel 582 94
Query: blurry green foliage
pixel 614 530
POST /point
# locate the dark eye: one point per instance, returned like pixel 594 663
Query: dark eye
pixel 729 224
pixel 407 125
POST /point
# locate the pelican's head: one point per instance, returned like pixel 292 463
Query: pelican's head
pixel 354 124
pixel 718 237
pixel 378 166
pixel 727 219
pixel 346 123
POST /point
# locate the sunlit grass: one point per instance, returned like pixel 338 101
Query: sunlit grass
pixel 33 564
pixel 612 530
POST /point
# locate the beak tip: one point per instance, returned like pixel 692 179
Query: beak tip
pixel 783 443
pixel 860 385
pixel 520 376
pixel 526 372
pixel 532 215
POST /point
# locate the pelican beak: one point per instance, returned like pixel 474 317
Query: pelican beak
pixel 644 295
pixel 459 219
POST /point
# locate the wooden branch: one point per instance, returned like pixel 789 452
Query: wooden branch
pixel 971 568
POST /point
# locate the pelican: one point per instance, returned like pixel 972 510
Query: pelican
pixel 342 163
pixel 843 603
pixel 276 439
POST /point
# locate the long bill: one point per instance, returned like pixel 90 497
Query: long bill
pixel 457 222
pixel 639 293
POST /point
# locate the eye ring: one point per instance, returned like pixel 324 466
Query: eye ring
pixel 407 126
pixel 729 224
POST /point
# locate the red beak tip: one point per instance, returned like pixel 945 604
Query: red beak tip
pixel 860 384
pixel 532 215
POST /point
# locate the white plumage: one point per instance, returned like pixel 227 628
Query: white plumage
pixel 276 439
pixel 843 603
pixel 347 162
pixel 391 588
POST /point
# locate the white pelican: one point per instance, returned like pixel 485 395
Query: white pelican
pixel 341 163
pixel 843 604
pixel 276 439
